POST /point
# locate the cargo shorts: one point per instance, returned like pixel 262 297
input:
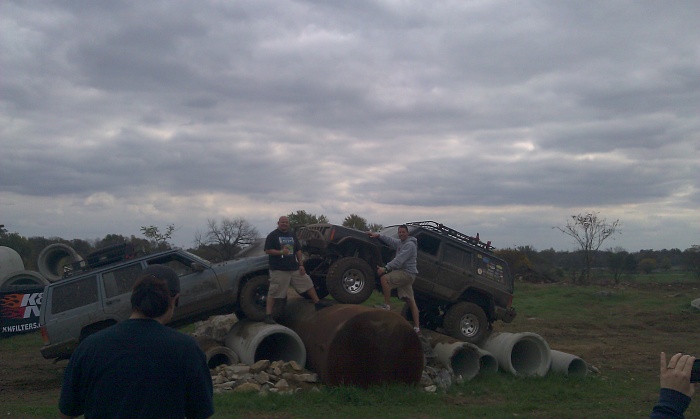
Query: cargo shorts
pixel 402 281
pixel 281 280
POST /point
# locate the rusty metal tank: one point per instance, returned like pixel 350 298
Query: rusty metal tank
pixel 348 344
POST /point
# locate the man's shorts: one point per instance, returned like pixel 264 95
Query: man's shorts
pixel 281 280
pixel 402 281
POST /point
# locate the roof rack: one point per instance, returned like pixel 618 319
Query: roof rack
pixel 443 229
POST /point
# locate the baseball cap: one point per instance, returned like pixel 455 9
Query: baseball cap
pixel 165 273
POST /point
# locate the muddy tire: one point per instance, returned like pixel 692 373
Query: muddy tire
pixel 253 299
pixel 466 322
pixel 350 281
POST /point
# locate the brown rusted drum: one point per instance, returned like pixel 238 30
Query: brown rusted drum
pixel 348 344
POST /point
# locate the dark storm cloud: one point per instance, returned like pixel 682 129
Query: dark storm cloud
pixel 349 107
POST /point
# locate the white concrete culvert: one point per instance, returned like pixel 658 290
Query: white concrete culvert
pixel 568 364
pixel 462 358
pixel 488 364
pixel 524 354
pixel 22 280
pixel 53 258
pixel 216 354
pixel 10 261
pixel 255 341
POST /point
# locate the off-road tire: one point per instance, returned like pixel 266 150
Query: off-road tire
pixel 350 280
pixel 253 299
pixel 466 322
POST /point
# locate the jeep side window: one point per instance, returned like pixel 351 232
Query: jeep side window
pixel 428 244
pixel 120 281
pixel 457 257
pixel 74 294
pixel 180 265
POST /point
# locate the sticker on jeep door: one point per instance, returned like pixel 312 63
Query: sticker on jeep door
pixel 490 269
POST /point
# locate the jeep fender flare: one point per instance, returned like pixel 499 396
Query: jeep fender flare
pixel 369 252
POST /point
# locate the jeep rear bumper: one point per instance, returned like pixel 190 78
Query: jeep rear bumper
pixel 59 350
pixel 505 315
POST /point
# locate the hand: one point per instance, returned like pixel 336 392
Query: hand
pixel 375 235
pixel 285 251
pixel 676 375
pixel 380 270
pixel 302 270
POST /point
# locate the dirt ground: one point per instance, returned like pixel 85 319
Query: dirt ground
pixel 629 340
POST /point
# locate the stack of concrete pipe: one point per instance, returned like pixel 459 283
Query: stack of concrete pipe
pixel 356 345
pixel 13 276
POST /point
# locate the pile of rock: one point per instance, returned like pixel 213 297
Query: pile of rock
pixel 264 377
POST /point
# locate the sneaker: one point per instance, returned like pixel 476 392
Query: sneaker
pixel 269 319
pixel 322 304
pixel 416 329
pixel 383 307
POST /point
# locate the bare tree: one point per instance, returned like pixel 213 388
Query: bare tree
pixel 590 232
pixel 227 237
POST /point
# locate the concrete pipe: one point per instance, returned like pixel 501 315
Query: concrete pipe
pixel 216 353
pixel 568 364
pixel 54 259
pixel 520 353
pixel 255 341
pixel 22 280
pixel 349 344
pixel 488 364
pixel 10 261
pixel 461 358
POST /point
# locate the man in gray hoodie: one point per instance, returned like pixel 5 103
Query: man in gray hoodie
pixel 400 272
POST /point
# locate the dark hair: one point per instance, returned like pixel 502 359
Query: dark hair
pixel 150 296
pixel 404 226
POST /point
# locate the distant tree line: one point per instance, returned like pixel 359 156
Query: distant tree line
pixel 608 265
pixel 224 238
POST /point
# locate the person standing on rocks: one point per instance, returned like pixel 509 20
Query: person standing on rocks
pixel 140 368
pixel 400 272
pixel 286 268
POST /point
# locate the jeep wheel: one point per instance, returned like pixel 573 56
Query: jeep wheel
pixel 466 322
pixel 253 299
pixel 350 281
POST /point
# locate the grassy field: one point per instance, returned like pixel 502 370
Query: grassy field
pixel 620 331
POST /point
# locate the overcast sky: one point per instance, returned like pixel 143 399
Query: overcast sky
pixel 498 117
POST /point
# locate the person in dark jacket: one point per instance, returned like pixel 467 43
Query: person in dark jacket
pixel 140 368
pixel 676 388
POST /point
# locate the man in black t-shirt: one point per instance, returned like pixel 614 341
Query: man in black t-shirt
pixel 140 368
pixel 286 268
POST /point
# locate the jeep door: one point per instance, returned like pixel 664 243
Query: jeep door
pixel 200 291
pixel 428 262
pixel 69 306
pixel 117 285
pixel 456 271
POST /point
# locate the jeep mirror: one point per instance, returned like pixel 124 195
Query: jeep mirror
pixel 197 267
